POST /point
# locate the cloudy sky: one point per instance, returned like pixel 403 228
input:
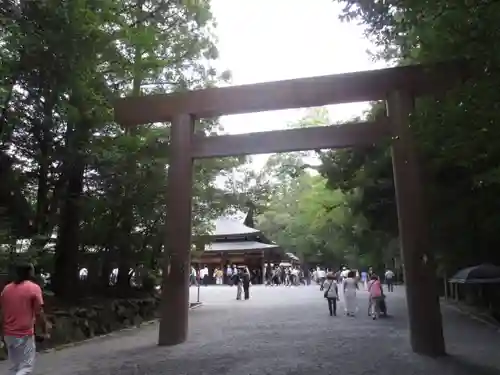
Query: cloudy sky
pixel 270 40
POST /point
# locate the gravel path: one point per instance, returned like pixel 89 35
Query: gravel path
pixel 282 331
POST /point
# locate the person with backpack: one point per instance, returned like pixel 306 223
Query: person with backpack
pixel 331 293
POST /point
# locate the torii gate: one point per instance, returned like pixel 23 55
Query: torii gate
pixel 397 86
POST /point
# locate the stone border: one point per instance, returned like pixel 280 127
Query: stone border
pixel 472 316
pixel 193 306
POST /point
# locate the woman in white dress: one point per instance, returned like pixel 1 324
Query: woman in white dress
pixel 350 288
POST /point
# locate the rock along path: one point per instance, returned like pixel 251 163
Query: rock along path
pixel 282 331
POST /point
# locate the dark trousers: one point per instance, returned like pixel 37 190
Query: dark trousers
pixel 321 283
pixel 246 291
pixel 332 306
pixel 192 280
pixel 390 285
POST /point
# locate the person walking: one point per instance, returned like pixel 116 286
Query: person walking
pixel 389 279
pixel 331 293
pixel 22 306
pixel 364 279
pixel 350 287
pixel 321 278
pixel 376 295
pixel 192 277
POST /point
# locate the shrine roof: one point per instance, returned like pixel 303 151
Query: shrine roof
pixel 238 246
pixel 226 226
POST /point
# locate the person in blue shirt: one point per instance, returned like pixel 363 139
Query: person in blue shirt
pixel 364 278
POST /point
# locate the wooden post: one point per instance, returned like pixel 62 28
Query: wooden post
pixel 424 314
pixel 175 286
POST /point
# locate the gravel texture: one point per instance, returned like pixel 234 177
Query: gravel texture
pixel 282 331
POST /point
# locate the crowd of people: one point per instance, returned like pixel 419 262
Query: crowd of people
pixel 22 301
pixel 348 281
pixel 286 275
pixel 221 275
pixel 238 276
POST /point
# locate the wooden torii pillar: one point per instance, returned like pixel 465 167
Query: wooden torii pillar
pixel 398 86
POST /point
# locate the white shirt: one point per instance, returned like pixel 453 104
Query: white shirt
pixel 389 274
pixel 321 273
pixel 295 272
pixel 350 286
pixel 204 272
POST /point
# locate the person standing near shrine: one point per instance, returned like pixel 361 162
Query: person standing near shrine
pixel 246 283
pixel 204 275
pixel 218 275
pixel 229 275
pixel 22 305
pixel 236 279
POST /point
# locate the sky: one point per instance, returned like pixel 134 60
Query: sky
pixel 272 40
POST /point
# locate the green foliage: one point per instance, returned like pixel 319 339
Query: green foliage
pixel 299 210
pixel 69 170
pixel 457 139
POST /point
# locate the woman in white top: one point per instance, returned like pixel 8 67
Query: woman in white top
pixel 350 288
pixel 331 293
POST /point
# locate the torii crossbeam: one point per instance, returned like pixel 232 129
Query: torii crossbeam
pixel 397 86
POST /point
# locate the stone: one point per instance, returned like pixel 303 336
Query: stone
pixel 80 323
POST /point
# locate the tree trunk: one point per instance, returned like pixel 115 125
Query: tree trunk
pixel 123 282
pixel 68 241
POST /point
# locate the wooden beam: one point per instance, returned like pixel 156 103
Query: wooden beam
pixel 321 137
pixel 296 93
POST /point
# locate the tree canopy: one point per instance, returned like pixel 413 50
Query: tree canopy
pixel 456 134
pixel 82 191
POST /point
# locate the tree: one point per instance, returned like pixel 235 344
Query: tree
pixel 75 174
pixel 457 141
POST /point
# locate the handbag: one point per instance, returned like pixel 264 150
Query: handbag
pixel 326 292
